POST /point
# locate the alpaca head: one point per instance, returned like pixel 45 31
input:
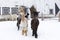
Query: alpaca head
pixel 22 10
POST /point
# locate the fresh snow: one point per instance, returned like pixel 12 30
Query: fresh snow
pixel 47 30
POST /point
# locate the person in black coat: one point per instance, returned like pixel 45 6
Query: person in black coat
pixel 34 24
pixel 18 21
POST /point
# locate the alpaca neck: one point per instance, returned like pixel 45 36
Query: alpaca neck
pixel 23 18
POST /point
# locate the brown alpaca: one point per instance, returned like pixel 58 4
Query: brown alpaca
pixel 32 10
pixel 34 25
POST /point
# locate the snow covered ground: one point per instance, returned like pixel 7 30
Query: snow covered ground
pixel 47 30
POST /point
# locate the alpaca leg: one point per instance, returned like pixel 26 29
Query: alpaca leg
pixel 22 32
pixel 33 33
pixel 36 34
pixel 25 32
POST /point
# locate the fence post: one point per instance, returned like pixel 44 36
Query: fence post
pixel 42 17
pixel 59 17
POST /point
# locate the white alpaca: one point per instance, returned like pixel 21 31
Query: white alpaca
pixel 24 22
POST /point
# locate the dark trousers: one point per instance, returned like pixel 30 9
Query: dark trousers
pixel 18 22
pixel 18 25
pixel 34 33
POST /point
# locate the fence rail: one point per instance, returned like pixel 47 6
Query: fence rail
pixel 8 10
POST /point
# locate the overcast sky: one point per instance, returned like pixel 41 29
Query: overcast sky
pixel 14 2
pixel 41 5
pixel 27 2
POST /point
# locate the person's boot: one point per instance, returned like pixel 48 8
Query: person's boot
pixel 18 27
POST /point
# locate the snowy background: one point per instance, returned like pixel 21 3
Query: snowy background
pixel 47 30
pixel 40 5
